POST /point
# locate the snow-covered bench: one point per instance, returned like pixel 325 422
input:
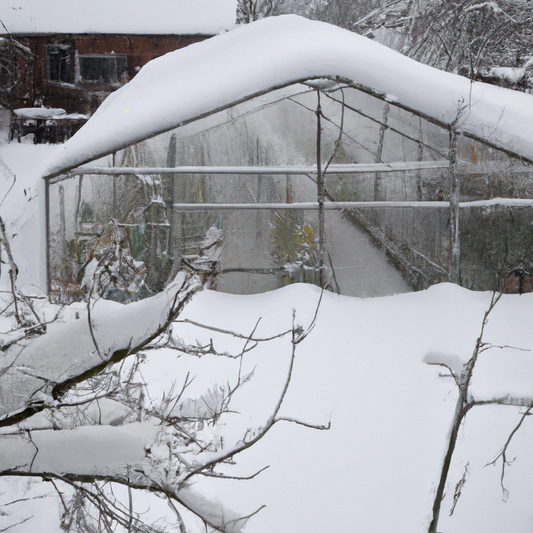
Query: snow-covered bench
pixel 52 125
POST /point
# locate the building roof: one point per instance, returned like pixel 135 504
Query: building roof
pixel 205 77
pixel 159 17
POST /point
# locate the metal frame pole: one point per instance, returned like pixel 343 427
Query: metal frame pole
pixel 453 181
pixel 320 193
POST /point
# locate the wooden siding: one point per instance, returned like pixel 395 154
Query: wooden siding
pixel 35 89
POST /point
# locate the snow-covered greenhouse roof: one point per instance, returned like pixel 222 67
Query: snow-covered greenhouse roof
pixel 176 17
pixel 206 77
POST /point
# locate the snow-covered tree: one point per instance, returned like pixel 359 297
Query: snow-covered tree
pixel 470 34
pixel 16 67
pixel 250 10
pixel 457 35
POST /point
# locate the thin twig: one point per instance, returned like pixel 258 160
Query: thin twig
pixel 240 478
pixel 233 333
pixel 300 423
pixel 503 452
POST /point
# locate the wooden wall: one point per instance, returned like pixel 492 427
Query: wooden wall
pixel 35 89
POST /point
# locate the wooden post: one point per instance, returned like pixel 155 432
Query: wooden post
pixel 171 162
pixel 175 218
pixel 77 222
pixel 378 186
pixel 453 182
pixel 320 193
pixel 420 151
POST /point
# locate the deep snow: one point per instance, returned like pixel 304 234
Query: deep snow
pixel 362 368
pixel 205 77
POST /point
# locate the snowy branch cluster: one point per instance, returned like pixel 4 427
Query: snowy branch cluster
pixel 461 36
pixel 16 62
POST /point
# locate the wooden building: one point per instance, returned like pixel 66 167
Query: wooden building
pixel 73 56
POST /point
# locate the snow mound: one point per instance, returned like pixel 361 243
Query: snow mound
pixel 206 77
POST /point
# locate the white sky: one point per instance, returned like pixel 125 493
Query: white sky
pixel 118 16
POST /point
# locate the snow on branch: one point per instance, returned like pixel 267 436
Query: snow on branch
pixel 70 353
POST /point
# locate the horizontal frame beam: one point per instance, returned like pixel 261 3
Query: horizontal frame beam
pixel 272 170
pixel 333 206
pixel 304 206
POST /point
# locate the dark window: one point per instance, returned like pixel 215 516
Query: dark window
pixel 103 69
pixel 61 63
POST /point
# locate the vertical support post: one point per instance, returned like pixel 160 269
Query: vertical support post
pixel 171 163
pixel 63 229
pixel 77 222
pixel 47 237
pixel 320 193
pixel 420 153
pixel 115 199
pixel 453 182
pixel 378 185
pixel 175 234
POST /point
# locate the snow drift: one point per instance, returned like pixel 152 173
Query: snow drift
pixel 206 77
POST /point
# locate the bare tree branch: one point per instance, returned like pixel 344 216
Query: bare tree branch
pixel 503 452
pixel 463 405
pixel 233 333
pixel 306 424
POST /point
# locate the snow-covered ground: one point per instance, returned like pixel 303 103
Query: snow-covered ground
pixel 363 369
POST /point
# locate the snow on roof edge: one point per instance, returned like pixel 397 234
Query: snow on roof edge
pixel 205 77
